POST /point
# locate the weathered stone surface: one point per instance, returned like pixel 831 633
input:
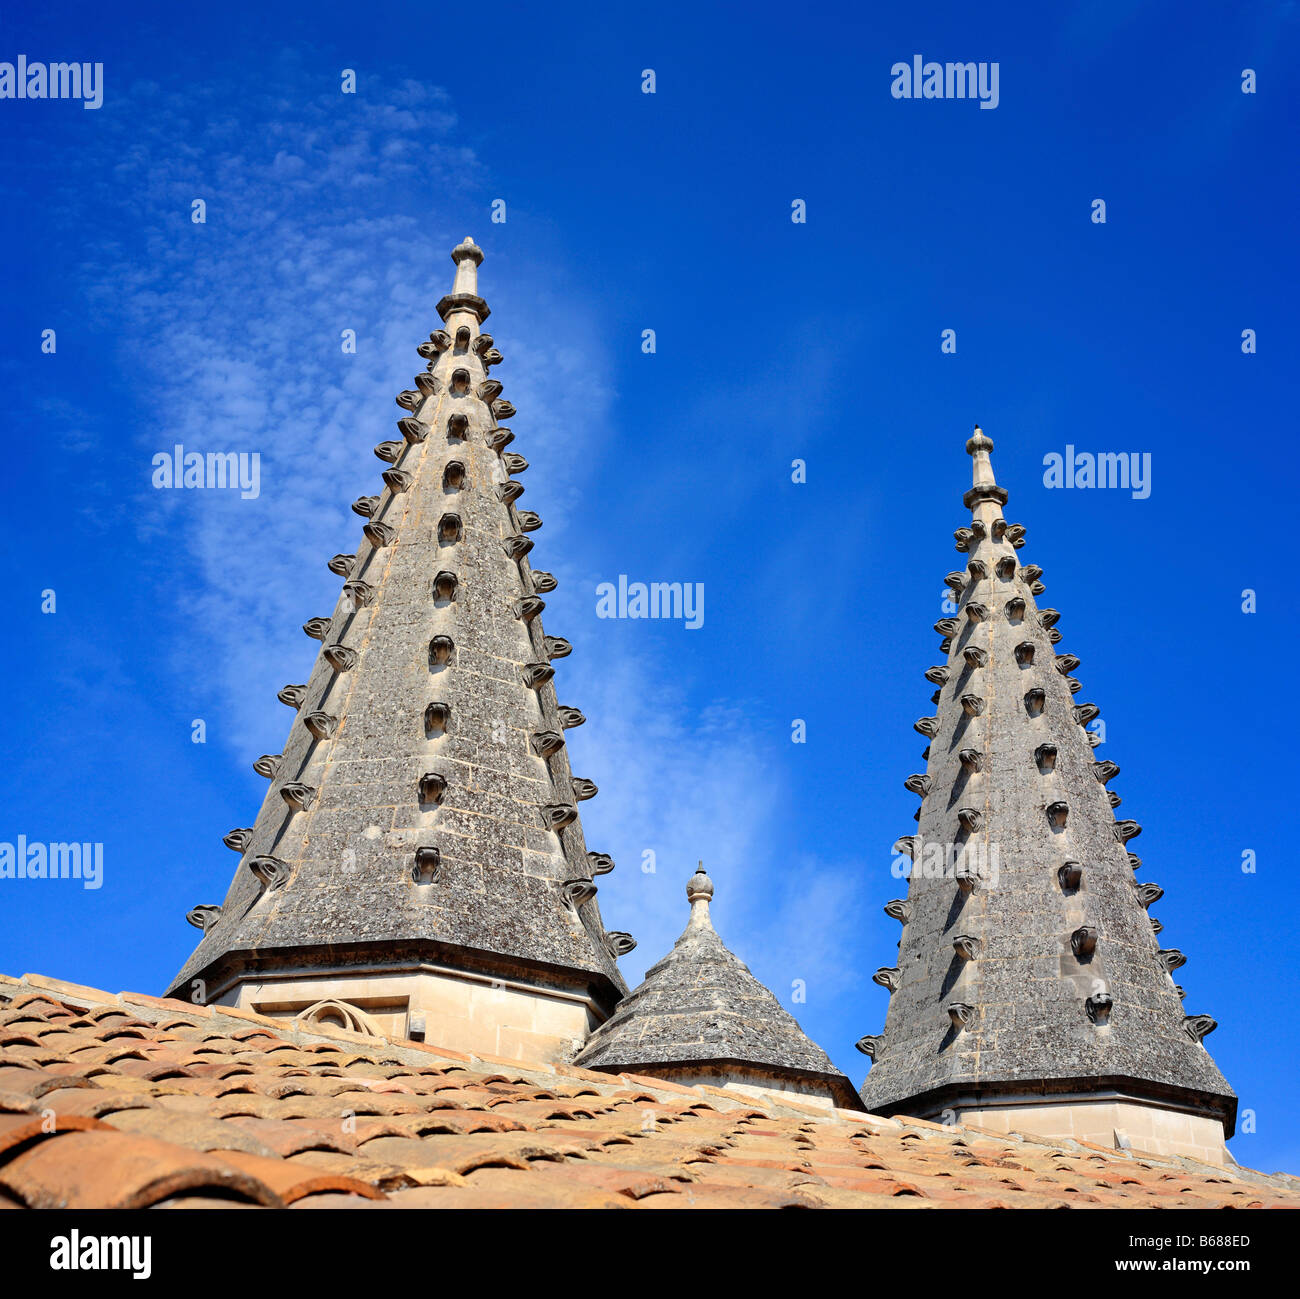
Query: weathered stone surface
pixel 1069 991
pixel 344 816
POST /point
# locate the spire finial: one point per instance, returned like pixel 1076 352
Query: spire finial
pixel 984 487
pixel 464 292
pixel 468 256
pixel 699 889
pixel 978 446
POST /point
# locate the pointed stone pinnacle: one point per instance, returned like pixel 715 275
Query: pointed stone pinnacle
pixel 387 851
pixel 1040 886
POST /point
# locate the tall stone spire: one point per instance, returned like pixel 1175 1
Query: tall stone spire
pixel 702 1017
pixel 419 854
pixel 1031 991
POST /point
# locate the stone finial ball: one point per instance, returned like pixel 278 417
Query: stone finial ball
pixel 467 248
pixel 699 886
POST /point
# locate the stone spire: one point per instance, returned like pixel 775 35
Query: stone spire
pixel 702 1017
pixel 1031 991
pixel 419 853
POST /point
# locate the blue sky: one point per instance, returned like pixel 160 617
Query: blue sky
pixel 775 341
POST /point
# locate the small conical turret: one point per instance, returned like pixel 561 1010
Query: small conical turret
pixel 1030 991
pixel 702 1017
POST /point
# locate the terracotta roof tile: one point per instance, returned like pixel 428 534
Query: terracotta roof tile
pixel 524 1191
pixel 711 1195
pixel 91 1170
pixel 18 1130
pixel 42 984
pixel 635 1183
pixel 160 1103
pixel 30 1080
pixel 193 1131
pixel 577 1071
pixel 657 1085
pixel 187 1201
pixel 156 1003
pixel 382 1176
pixel 89 1102
pixel 286 1137
pixel 442 1120
pixel 292 1181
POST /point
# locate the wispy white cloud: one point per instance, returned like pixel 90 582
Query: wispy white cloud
pixel 232 330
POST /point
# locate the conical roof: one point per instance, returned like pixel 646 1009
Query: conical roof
pixel 1028 961
pixel 422 807
pixel 701 1007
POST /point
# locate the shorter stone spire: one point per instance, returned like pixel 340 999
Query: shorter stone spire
pixel 702 1017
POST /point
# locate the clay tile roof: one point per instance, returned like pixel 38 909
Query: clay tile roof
pixel 323 1120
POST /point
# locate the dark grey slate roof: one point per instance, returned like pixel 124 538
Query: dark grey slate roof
pixel 423 804
pixel 1045 972
pixel 701 1006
